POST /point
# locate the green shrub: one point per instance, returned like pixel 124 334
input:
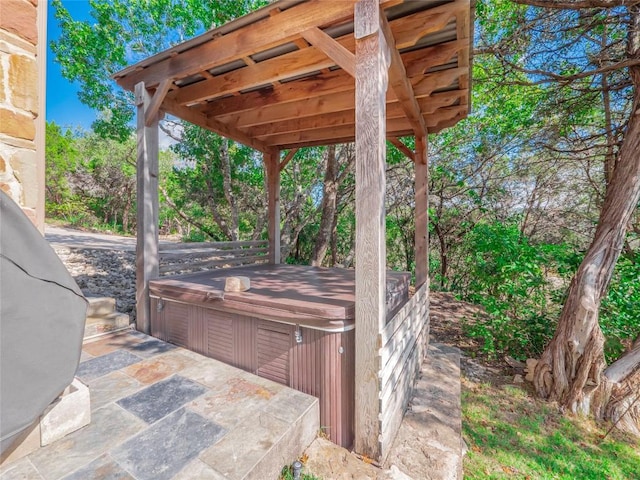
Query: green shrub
pixel 620 309
pixel 508 276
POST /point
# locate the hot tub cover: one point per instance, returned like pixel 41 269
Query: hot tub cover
pixel 300 294
pixel 42 315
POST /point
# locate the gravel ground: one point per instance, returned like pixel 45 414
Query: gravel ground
pixel 103 273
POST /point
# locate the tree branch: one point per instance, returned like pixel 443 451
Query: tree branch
pixel 577 4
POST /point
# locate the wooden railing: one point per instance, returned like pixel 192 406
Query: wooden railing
pixel 404 339
pixel 178 257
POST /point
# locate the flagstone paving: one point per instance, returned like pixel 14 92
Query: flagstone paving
pixel 160 412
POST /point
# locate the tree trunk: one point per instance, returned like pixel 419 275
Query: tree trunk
pixel 571 367
pixel 234 229
pixel 623 407
pixel 329 207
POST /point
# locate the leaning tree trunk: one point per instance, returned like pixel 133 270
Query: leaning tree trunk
pixel 329 207
pixel 571 367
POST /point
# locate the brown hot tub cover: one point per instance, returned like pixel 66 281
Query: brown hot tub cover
pixel 42 315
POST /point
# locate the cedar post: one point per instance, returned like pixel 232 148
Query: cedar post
pixel 422 211
pixel 272 164
pixel 147 208
pixel 372 63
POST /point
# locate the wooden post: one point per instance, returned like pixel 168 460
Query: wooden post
pixel 147 204
pixel 422 211
pixel 272 164
pixel 372 63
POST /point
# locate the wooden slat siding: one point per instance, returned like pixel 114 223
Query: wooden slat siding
pixel 395 410
pixel 193 253
pixel 220 335
pixel 244 339
pixel 403 342
pixel 274 341
pixel 372 62
pixel 175 267
pixel 147 209
pixel 170 247
pixel 177 323
pixel 421 211
pixel 398 350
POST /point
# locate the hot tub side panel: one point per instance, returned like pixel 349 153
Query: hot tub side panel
pixel 323 364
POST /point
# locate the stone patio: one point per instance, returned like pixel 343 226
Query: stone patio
pixel 161 412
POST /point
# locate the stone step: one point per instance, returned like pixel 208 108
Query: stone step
pixel 100 306
pixel 103 324
pixel 433 422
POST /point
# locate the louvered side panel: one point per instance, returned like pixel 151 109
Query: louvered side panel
pixel 219 335
pixel 305 362
pixel 157 319
pixel 177 323
pixel 337 397
pixel 274 343
pixel 197 330
pixel 244 342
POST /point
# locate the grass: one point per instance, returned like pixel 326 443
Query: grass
pixel 512 435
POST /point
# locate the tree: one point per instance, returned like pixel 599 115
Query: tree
pixel 572 367
pixel 123 32
pixel 61 160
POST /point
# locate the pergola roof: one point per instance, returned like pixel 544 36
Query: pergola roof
pixel 283 76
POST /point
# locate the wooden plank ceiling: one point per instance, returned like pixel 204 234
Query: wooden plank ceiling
pixel 283 76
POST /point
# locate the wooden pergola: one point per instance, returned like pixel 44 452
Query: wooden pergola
pixel 300 73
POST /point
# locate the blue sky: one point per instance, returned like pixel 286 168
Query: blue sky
pixel 63 105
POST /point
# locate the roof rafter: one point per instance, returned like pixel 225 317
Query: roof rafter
pixel 399 82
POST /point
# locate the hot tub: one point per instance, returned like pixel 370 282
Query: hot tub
pixel 294 326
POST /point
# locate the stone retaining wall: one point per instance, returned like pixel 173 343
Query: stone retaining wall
pixel 22 91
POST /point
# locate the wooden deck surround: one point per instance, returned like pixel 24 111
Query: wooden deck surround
pixel 316 72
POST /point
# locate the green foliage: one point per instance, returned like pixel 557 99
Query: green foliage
pixel 511 435
pixel 62 158
pixel 508 276
pixel 620 309
pixel 218 183
pixel 123 32
pixel 287 474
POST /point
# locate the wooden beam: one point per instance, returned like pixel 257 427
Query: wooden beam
pixel 269 71
pixel 395 127
pixel 287 158
pixel 147 208
pixel 396 142
pixel 259 36
pixel 418 62
pixel 423 86
pixel 199 118
pixel 400 83
pixel 272 166
pixel 372 63
pixel 325 53
pixel 156 101
pixel 421 212
pixel 415 27
pixel 345 115
pixel 334 50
